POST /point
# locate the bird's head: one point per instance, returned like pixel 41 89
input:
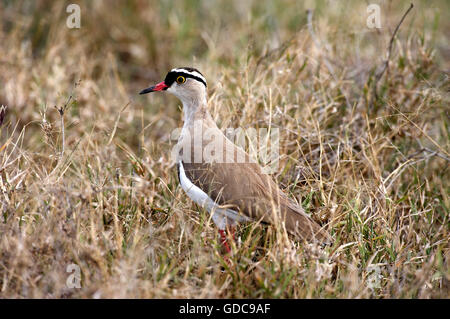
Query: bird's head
pixel 186 83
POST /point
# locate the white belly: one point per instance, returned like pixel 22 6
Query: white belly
pixel 221 216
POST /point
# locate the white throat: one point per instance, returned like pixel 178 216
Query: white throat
pixel 191 106
pixel 192 96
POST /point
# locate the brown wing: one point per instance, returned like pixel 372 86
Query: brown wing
pixel 244 187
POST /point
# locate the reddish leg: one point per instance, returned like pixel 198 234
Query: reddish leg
pixel 224 241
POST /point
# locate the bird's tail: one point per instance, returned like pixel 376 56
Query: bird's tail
pixel 302 226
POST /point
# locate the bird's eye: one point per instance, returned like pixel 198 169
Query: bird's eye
pixel 181 79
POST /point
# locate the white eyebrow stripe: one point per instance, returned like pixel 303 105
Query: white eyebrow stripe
pixel 194 73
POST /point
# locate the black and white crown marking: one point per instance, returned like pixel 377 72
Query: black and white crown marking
pixel 187 72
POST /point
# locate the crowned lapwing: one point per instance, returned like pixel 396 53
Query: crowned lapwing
pixel 235 189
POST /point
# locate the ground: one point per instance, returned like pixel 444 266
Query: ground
pixel 91 206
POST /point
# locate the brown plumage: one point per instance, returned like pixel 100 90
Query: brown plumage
pixel 244 187
pixel 232 185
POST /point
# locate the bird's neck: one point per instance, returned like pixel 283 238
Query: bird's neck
pixel 195 109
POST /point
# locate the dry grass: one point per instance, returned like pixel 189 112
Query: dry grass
pixel 108 200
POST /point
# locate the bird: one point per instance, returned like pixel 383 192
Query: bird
pixel 235 189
